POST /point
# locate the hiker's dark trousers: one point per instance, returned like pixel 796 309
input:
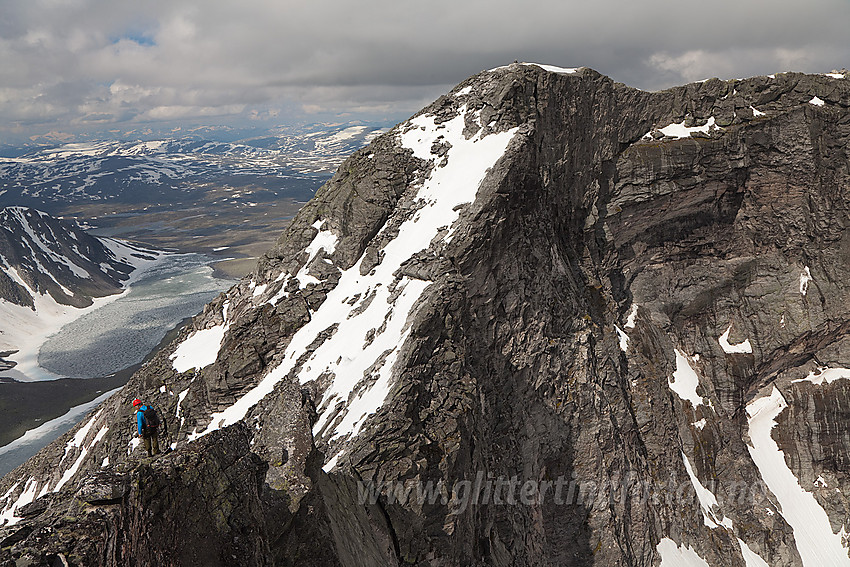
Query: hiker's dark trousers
pixel 151 442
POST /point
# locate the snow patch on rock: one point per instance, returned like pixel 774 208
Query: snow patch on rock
pixel 200 349
pixel 707 500
pixel 743 347
pixel 624 339
pixel 550 68
pixel 632 317
pixel 805 278
pixel 678 130
pixel 685 380
pixel 825 374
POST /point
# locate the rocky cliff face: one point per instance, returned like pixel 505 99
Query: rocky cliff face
pixel 550 320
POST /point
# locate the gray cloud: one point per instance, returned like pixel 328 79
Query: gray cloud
pixel 83 64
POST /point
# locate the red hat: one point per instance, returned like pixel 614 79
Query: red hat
pixel 137 402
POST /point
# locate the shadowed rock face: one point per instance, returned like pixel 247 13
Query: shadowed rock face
pixel 533 356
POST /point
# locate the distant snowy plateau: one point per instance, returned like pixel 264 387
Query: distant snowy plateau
pixel 170 170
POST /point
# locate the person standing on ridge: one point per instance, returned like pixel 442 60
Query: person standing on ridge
pixel 147 423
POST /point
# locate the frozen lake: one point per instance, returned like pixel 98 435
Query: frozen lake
pixel 123 332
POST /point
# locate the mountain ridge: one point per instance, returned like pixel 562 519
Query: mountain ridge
pixel 558 314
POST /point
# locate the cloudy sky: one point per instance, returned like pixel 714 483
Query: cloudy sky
pixel 75 66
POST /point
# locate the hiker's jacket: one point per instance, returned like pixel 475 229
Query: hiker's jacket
pixel 140 418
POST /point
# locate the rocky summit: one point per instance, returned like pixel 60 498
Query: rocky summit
pixel 549 320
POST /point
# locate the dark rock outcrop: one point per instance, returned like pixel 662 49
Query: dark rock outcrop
pixel 560 366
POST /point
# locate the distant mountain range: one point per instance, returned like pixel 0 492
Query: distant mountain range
pixel 171 170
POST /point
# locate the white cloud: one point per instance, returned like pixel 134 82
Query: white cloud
pixel 98 60
pixel 737 62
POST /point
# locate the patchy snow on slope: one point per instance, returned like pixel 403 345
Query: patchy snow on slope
pixel 632 317
pixel 825 374
pixel 707 500
pixel 200 349
pixel 805 278
pixel 20 214
pixel 464 91
pixel 77 440
pixel 368 333
pixel 132 254
pixel 72 470
pixel 326 241
pixel 711 516
pixel 673 555
pixel 835 75
pixel 815 540
pixel 7 516
pixel 685 380
pixel 624 339
pixel 134 442
pixel 259 289
pixel 347 134
pixel 32 440
pixel 179 413
pixel 816 101
pixel 700 424
pixel 756 112
pixel 678 130
pixel 743 347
